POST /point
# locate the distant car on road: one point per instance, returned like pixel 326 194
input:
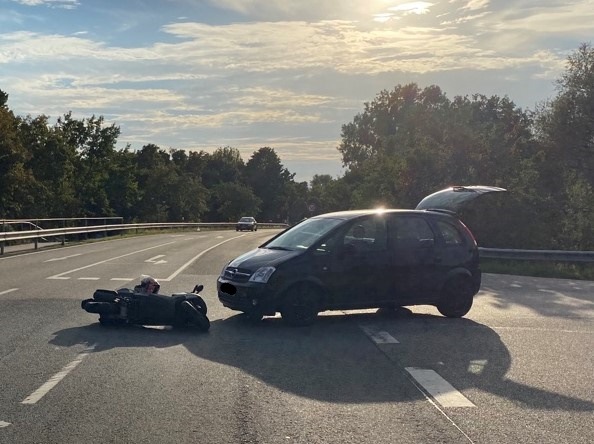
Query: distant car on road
pixel 247 223
pixel 384 258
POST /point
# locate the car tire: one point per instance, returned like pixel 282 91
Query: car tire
pixel 301 305
pixel 456 298
pixel 193 317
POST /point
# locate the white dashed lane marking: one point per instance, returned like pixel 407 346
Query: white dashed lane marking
pixel 54 380
pixel 61 275
pixel 379 337
pixel 439 389
pixel 4 424
pixel 426 380
pixel 8 291
pixel 62 258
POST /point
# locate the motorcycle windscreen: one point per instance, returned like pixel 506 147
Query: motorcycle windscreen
pixel 454 198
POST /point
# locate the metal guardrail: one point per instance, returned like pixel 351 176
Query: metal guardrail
pixel 486 253
pixel 537 255
pixel 62 233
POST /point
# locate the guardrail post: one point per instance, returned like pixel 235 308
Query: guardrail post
pixel 2 243
pixel 64 235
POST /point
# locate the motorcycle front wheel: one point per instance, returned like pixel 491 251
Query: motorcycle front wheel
pixel 194 317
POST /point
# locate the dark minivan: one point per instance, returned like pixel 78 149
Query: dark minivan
pixel 362 259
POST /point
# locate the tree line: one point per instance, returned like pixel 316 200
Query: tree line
pixel 406 143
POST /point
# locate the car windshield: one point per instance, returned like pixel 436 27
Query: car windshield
pixel 304 235
pixel 245 219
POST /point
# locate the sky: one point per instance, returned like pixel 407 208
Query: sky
pixel 204 74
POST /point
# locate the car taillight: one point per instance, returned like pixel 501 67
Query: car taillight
pixel 469 233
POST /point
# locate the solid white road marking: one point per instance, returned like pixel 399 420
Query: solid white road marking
pixel 440 389
pixel 54 380
pixel 4 424
pixel 379 337
pixel 8 291
pixel 187 264
pixel 88 279
pixel 62 258
pixel 61 275
pixel 122 279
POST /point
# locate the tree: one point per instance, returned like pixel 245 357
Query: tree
pixel 565 130
pixel 230 201
pixel 410 142
pixel 269 181
pixel 54 164
pixel 16 181
pixel 95 145
pixel 224 165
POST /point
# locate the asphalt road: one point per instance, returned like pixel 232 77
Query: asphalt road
pixel 517 369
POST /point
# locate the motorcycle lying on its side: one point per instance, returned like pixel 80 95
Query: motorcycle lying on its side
pixel 135 307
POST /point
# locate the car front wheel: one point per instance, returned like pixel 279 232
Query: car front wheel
pixel 301 305
pixel 457 297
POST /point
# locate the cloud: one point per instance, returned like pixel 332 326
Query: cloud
pixel 63 4
pixel 412 8
pixel 275 70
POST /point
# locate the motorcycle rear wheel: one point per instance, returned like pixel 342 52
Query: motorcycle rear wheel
pixel 101 308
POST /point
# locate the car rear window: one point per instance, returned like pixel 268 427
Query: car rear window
pixel 450 233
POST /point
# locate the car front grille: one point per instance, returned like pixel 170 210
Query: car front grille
pixel 236 275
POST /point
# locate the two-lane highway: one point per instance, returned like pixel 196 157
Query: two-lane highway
pixel 518 368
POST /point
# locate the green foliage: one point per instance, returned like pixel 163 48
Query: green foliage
pixel 230 201
pixel 270 182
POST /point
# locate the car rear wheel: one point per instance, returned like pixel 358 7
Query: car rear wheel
pixel 301 305
pixel 457 297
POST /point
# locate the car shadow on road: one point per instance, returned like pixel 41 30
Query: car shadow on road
pixel 334 361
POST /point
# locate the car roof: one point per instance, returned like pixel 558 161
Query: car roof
pixel 352 214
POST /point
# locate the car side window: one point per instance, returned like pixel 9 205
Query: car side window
pixel 450 233
pixel 410 231
pixel 362 236
pixel 368 234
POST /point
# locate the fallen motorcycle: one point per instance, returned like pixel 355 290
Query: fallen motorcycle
pixel 144 306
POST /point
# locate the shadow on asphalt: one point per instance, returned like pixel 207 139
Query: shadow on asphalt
pixel 560 298
pixel 334 361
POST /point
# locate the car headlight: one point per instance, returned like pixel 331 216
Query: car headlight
pixel 262 274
